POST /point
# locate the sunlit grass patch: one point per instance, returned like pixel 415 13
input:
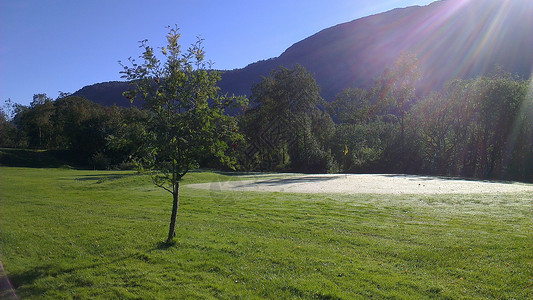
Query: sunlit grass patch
pixel 86 234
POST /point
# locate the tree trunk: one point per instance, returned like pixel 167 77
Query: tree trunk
pixel 175 205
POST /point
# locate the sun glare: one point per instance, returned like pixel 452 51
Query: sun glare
pixel 482 37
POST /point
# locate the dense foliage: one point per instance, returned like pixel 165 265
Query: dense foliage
pixel 77 125
pixel 480 127
pixel 286 129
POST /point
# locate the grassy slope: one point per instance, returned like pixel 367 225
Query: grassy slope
pixel 82 234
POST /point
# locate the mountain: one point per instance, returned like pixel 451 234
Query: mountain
pixel 451 38
pixel 107 93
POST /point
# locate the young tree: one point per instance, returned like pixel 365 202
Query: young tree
pixel 187 119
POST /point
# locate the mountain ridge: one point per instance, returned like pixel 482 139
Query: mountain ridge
pixel 451 38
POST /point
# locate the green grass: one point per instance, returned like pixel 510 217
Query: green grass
pixel 89 234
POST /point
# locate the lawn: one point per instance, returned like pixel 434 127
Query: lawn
pixel 87 234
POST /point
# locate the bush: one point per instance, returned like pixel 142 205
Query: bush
pixel 100 161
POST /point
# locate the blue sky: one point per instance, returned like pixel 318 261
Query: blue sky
pixel 63 45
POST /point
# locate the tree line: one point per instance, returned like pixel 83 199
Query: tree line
pixel 478 128
pixel 74 124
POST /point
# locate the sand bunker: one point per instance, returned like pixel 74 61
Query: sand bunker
pixel 367 184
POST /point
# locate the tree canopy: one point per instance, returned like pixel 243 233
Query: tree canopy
pixel 283 123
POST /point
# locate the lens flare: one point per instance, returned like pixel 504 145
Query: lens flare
pixel 471 42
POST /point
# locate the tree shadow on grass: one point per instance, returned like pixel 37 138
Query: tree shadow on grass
pixel 6 289
pixel 26 279
pixel 99 178
pixel 165 245
pixel 24 282
pixel 445 178
pixel 40 158
pixel 284 181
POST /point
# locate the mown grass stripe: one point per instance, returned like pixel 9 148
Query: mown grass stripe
pixel 86 234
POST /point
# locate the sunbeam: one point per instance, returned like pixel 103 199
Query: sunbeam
pixel 521 125
pixel 471 43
